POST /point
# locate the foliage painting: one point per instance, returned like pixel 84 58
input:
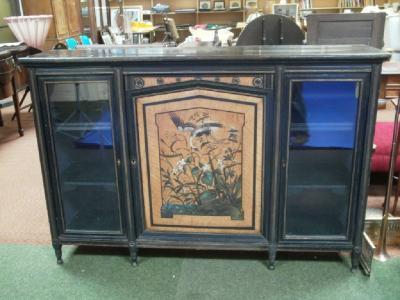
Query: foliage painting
pixel 201 162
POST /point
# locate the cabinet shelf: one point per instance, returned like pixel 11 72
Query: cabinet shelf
pixel 89 183
pixel 93 175
pixel 219 11
pixel 90 126
pixel 331 8
pixel 185 12
pixel 323 126
pixel 173 13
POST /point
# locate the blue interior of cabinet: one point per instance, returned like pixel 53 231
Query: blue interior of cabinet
pixel 98 138
pixel 335 127
pixel 322 140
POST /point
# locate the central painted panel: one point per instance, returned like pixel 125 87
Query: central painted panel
pixel 201 161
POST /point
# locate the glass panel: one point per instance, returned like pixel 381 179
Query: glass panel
pixel 80 116
pixel 322 140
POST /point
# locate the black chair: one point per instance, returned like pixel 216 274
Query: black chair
pixel 271 30
pixel 60 46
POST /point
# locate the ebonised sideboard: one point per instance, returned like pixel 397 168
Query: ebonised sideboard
pixel 243 148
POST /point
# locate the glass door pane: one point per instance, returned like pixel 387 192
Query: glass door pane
pixel 84 150
pixel 320 161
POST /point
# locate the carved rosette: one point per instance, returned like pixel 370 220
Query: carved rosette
pixel 138 83
pixel 258 82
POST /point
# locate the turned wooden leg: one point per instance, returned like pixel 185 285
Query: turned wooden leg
pixel 134 253
pixel 355 259
pixel 16 106
pixel 271 257
pixel 57 249
pixel 21 102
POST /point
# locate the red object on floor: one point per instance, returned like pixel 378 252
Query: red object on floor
pixel 383 141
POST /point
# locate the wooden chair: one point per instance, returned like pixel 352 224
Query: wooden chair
pixel 271 30
pixel 21 74
pixel 8 87
pixel 340 29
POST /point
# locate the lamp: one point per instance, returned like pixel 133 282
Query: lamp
pixel 32 30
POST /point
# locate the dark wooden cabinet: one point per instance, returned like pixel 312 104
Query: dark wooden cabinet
pixel 266 150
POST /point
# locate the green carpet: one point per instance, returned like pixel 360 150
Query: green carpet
pixel 30 272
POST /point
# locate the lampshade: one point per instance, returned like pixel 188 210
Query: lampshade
pixel 32 30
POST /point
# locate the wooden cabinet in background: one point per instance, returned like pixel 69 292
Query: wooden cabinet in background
pixel 60 18
pixel 390 80
pixel 74 17
pixel 66 22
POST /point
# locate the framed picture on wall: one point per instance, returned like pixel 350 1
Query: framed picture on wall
pixel 204 5
pixel 219 5
pixel 251 4
pixel 130 13
pixel 235 4
pixel 288 10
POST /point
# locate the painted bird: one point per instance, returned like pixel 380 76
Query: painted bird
pixel 196 130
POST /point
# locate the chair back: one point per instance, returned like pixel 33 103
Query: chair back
pixel 60 46
pixel 171 29
pixel 340 29
pixel 271 30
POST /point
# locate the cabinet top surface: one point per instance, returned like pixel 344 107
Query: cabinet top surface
pixel 256 53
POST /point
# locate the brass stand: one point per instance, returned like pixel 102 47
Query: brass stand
pixel 381 253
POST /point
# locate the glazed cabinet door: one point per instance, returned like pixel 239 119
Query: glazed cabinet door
pixel 322 142
pixel 85 157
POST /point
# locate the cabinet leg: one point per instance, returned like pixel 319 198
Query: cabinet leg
pixel 271 257
pixel 133 252
pixel 355 259
pixel 57 249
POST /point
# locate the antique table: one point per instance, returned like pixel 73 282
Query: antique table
pixel 242 148
pixel 390 81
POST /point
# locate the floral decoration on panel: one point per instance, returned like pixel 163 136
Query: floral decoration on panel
pixel 201 163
